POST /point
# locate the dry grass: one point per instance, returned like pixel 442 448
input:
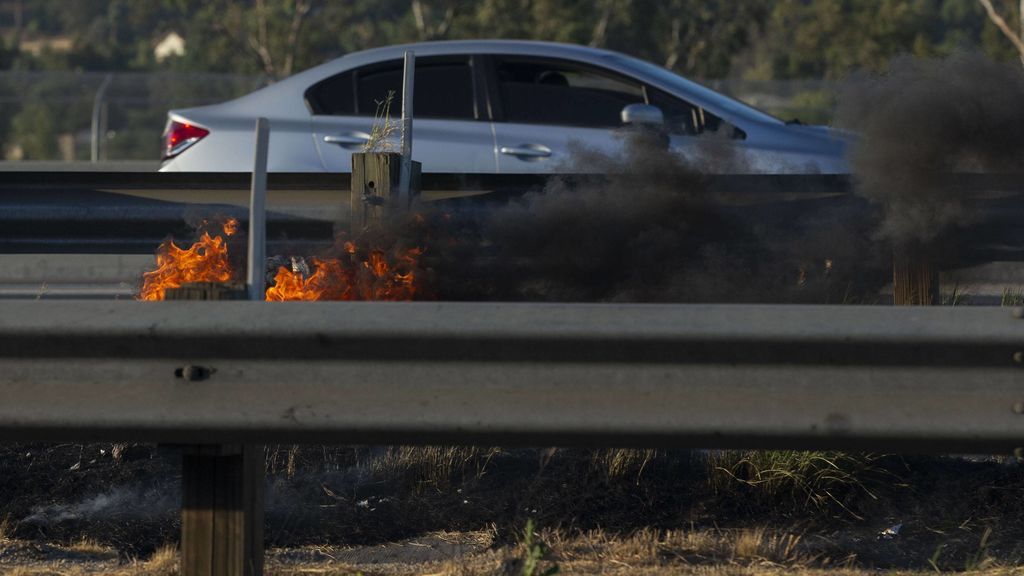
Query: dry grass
pixel 384 131
pixel 104 560
pixel 603 511
pixel 435 466
pixel 6 529
pixel 623 462
pixel 162 562
pixel 86 547
pixel 753 551
pixel 663 549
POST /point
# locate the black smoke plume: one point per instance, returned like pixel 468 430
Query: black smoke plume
pixel 648 230
pixel 923 121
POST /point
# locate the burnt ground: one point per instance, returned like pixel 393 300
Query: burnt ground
pixel 407 506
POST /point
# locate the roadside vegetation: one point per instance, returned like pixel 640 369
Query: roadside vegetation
pixel 454 510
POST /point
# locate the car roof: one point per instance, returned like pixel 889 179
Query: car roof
pixel 294 87
pixel 298 83
pixel 433 48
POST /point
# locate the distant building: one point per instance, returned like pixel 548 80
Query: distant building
pixel 54 44
pixel 171 45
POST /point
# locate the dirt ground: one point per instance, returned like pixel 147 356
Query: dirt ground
pixel 76 509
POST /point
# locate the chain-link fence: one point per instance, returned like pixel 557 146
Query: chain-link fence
pixel 83 116
pixel 97 116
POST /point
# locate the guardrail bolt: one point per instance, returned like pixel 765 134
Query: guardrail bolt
pixel 1018 312
pixel 1018 408
pixel 1018 357
pixel 193 373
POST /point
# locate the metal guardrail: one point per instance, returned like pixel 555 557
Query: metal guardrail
pixel 117 212
pixel 123 213
pixel 878 378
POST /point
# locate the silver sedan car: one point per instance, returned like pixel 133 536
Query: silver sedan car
pixel 487 106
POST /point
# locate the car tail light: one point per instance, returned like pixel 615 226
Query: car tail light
pixel 179 136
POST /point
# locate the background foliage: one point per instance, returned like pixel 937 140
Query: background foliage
pixel 761 39
pixel 724 40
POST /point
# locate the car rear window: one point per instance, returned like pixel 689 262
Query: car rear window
pixel 334 96
pixel 443 89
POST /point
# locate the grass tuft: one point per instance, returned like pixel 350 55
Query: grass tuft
pixel 6 529
pixel 382 135
pixel 623 462
pixel 437 466
pixel 816 478
pixel 981 559
pixel 957 297
pixel 760 545
pixel 163 562
pixel 1013 296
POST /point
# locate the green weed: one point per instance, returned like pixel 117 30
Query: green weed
pixel 533 554
pixel 819 478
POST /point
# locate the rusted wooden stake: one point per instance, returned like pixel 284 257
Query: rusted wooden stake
pixel 915 281
pixel 221 485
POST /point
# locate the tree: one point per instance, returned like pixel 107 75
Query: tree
pixel 702 38
pixel 1016 38
pixel 269 31
pixel 429 25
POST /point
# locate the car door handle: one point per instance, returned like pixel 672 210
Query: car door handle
pixel 526 151
pixel 348 139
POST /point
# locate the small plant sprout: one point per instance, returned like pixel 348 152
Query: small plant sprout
pixel 534 553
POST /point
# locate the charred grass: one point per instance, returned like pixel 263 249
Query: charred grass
pixel 469 510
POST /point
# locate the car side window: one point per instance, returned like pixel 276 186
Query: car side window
pixel 542 91
pixel 443 89
pixel 334 96
pixel 681 117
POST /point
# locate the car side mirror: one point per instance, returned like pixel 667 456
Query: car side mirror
pixel 643 115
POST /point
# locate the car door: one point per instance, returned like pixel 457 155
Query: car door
pixel 543 107
pixel 449 132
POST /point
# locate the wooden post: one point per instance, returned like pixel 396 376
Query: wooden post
pixel 381 181
pixel 221 487
pixel 375 192
pixel 915 282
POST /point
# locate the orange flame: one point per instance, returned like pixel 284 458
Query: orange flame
pixel 329 282
pixel 204 261
pixel 375 278
pixel 373 274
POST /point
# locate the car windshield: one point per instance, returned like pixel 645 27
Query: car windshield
pixel 673 80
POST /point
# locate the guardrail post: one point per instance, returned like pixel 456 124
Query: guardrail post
pixel 222 510
pixel 221 485
pixel 375 178
pixel 915 282
pixel 375 186
pixel 383 181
